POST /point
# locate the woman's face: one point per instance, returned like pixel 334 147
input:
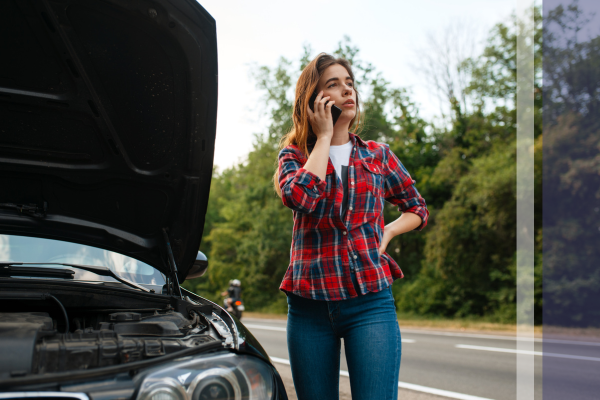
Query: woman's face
pixel 336 83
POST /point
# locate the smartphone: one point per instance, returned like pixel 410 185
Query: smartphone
pixel 335 111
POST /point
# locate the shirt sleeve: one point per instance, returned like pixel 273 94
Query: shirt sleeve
pixel 400 189
pixel 301 190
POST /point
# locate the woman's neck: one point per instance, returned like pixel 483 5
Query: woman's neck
pixel 340 134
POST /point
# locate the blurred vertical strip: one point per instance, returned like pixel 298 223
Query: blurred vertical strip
pixel 571 199
pixel 525 199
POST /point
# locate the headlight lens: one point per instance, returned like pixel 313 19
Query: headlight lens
pixel 225 377
pixel 168 389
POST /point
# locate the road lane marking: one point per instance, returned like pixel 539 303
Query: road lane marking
pixel 266 328
pixel 471 335
pixel 280 360
pixel 261 320
pixel 482 336
pixel 439 392
pixel 280 329
pixel 535 353
pixel 410 386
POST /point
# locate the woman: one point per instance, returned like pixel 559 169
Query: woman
pixel 339 279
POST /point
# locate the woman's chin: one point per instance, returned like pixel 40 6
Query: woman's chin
pixel 347 115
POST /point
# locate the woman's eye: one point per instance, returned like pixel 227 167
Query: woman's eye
pixel 332 85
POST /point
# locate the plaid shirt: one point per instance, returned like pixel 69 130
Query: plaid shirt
pixel 325 248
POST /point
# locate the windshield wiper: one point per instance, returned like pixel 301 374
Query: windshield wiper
pixel 102 271
pixel 10 270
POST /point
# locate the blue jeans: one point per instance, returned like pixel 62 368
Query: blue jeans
pixel 372 342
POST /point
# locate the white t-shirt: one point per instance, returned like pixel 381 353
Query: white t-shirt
pixel 340 158
pixel 340 155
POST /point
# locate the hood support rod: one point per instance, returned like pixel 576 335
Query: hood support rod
pixel 172 264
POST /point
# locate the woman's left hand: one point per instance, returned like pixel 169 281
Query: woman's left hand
pixel 385 240
pixel 407 222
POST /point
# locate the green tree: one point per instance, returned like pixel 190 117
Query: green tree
pixel 469 267
pixel 571 165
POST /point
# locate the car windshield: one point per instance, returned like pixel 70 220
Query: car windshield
pixel 36 250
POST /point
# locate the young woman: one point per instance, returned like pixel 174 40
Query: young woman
pixel 339 279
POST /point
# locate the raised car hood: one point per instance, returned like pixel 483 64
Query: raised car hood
pixel 107 123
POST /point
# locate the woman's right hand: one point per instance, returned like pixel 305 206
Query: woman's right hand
pixel 321 120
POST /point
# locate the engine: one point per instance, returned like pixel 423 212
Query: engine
pixel 30 342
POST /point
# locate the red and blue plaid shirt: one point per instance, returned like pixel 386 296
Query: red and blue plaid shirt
pixel 324 247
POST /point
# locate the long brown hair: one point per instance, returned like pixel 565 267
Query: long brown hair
pixel 301 133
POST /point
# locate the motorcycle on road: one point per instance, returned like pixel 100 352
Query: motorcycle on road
pixel 233 302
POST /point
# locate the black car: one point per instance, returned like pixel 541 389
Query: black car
pixel 107 130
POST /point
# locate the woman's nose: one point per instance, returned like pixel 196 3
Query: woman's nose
pixel 347 89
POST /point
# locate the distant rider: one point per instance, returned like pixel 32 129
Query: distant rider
pixel 233 293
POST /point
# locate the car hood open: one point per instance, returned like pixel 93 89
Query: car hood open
pixel 108 119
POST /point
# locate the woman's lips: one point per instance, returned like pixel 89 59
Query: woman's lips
pixel 349 103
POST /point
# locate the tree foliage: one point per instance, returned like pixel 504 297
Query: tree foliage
pixel 463 264
pixel 571 165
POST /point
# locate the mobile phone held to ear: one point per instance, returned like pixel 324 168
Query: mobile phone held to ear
pixel 335 111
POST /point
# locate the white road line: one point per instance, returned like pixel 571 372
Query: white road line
pixel 280 329
pixel 280 360
pixel 535 353
pixel 472 335
pixel 439 392
pixel 264 327
pixel 484 336
pixel 410 386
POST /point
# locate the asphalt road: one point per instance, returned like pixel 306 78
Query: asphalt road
pixel 469 366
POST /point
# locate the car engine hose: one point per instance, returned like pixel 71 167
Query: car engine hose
pixel 35 296
pixel 47 296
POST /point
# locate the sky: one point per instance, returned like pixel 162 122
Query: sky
pixel 389 34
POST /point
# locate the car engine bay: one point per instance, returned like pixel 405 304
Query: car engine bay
pixel 36 338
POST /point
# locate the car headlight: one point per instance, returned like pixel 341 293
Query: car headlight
pixel 224 377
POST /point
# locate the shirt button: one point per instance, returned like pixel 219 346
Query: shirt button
pixel 352 182
pixel 315 190
pixel 351 209
pixel 345 233
pixel 355 257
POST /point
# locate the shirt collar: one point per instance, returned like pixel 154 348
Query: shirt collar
pixel 357 140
